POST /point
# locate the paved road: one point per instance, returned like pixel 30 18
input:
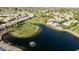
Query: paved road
pixel 9 47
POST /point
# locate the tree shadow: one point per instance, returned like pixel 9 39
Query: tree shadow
pixel 47 40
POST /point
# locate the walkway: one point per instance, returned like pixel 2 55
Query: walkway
pixel 9 47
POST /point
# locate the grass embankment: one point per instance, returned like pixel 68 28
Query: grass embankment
pixel 24 30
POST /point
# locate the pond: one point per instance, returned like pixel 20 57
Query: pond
pixel 47 40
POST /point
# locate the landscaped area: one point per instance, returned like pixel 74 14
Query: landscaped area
pixel 24 30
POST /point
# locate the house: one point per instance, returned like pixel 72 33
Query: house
pixel 6 19
pixel 2 26
pixel 55 24
pixel 50 21
pixel 66 23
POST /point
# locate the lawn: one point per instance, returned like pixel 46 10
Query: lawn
pixel 25 30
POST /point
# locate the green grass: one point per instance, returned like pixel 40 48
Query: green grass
pixel 25 30
pixel 38 20
pixel 76 29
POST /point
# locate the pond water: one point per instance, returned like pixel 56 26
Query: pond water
pixel 47 40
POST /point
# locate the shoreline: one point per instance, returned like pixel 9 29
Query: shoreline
pixel 32 35
pixel 75 34
pixel 72 32
pixel 9 47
